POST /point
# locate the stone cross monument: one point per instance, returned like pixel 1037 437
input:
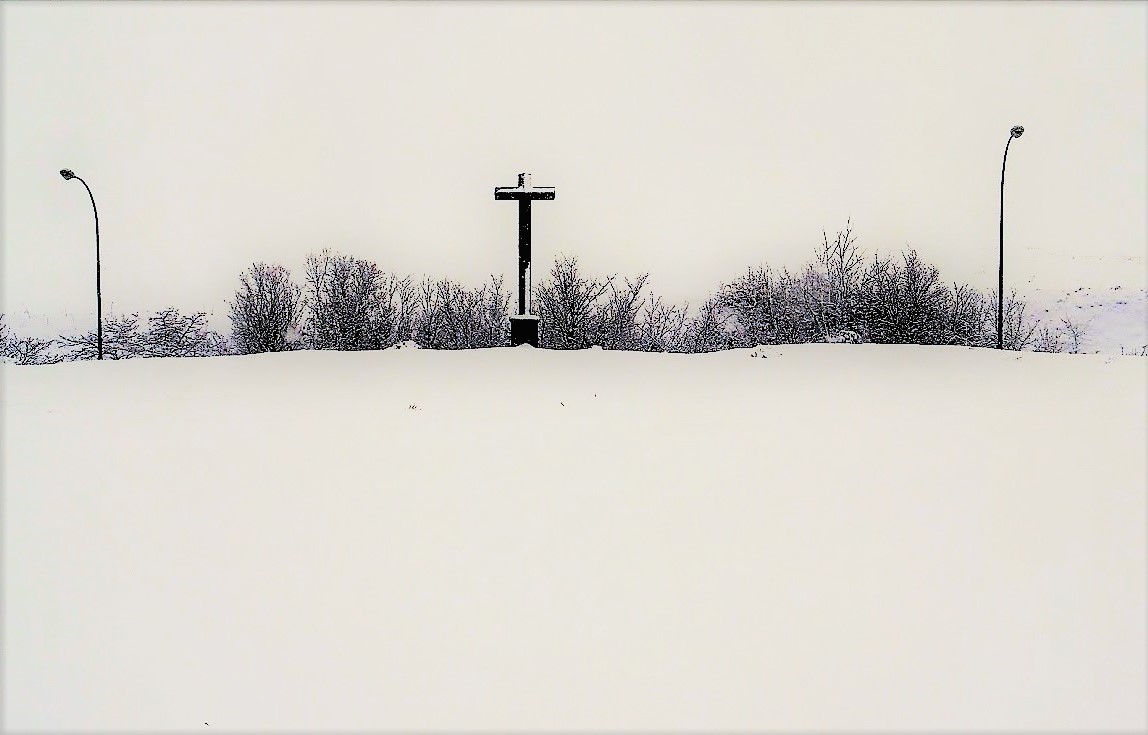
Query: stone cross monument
pixel 524 325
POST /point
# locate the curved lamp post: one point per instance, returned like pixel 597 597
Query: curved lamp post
pixel 68 175
pixel 1016 132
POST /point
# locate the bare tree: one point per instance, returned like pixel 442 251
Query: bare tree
pixel 1063 337
pixel 617 319
pixel 775 308
pixel 495 320
pixel 25 350
pixel 172 334
pixel 568 304
pixel 1020 330
pixel 839 265
pixel 353 305
pixel 906 303
pixel 1075 334
pixel 122 340
pixel 454 317
pixel 662 327
pixel 267 311
pixel 968 318
pixel 709 330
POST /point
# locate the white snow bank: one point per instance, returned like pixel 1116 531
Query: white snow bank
pixel 838 537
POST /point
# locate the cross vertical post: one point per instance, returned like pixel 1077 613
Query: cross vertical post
pixel 524 324
pixel 524 274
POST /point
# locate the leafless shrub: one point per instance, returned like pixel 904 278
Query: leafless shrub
pixel 26 350
pixel 1075 334
pixel 618 318
pixel 884 301
pixel 1063 337
pixel 968 317
pixel 578 312
pixel 267 311
pixel 1048 339
pixel 569 307
pixel 830 287
pixel 353 305
pixel 169 333
pixel 755 307
pixel 453 317
pixel 1020 329
pixel 122 340
pixel 709 330
pixel 173 334
pixel 662 327
pixel 906 303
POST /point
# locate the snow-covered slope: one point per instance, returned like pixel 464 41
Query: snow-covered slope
pixel 1114 320
pixel 824 536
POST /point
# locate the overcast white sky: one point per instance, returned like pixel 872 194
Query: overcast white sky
pixel 686 139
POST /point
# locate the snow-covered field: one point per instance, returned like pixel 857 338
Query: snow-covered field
pixel 1114 319
pixel 819 536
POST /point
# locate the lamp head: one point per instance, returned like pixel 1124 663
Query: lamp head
pixel 1017 131
pixel 67 174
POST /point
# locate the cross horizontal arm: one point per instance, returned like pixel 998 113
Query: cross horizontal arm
pixel 513 192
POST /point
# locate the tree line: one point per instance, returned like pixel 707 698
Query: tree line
pixel 347 303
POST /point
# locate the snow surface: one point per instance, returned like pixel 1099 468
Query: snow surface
pixel 832 537
pixel 1115 319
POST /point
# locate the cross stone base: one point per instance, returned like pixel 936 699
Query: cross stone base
pixel 524 330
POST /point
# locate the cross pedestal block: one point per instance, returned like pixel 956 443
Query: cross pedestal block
pixel 524 330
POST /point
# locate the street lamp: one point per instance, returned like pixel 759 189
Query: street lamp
pixel 1016 132
pixel 68 175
